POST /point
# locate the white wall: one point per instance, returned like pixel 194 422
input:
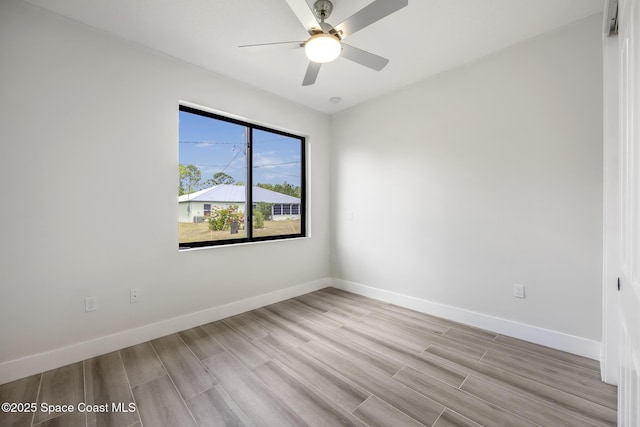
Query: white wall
pixel 456 188
pixel 88 141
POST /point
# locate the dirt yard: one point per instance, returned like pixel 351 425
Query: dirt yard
pixel 190 232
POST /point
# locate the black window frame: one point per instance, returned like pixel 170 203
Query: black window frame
pixel 249 184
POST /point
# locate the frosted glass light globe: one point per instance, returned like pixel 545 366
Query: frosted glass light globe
pixel 322 48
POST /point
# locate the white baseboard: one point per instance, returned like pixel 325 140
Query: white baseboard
pixel 554 339
pixel 34 364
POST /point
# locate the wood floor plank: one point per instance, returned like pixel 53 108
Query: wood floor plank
pixel 142 364
pixel 549 375
pixel 386 347
pixel 453 419
pixel 280 309
pixel 299 301
pixel 279 326
pixel 332 319
pixel 385 366
pixel 244 350
pixel 342 304
pixel 308 314
pixel 339 315
pixel 184 368
pixel 311 301
pixel 464 348
pixel 393 308
pixel 257 401
pixel 378 413
pixel 160 405
pixel 421 339
pixel 74 419
pixel 201 343
pixel 24 390
pixel 409 322
pixel 394 311
pixel 360 299
pixel 215 407
pixel 106 383
pixel 62 386
pixel 405 399
pixel 459 401
pixel 340 390
pixel 544 362
pixel 247 325
pixel 532 348
pixel 345 298
pixel 313 407
pixel 531 388
pixel 300 308
pixel 396 336
pixel 540 413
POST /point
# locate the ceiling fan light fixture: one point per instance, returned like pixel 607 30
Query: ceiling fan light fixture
pixel 322 48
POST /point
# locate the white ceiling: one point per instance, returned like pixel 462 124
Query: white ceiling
pixel 421 40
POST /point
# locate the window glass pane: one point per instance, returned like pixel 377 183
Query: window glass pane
pixel 237 181
pixel 212 176
pixel 277 177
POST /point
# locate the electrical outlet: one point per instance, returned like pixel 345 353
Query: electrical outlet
pixel 90 304
pixel 134 296
pixel 518 291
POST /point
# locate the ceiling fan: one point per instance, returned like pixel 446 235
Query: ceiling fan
pixel 326 41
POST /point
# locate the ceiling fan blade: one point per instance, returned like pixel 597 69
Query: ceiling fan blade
pixel 312 73
pixel 363 57
pixel 303 12
pixel 368 15
pixel 291 45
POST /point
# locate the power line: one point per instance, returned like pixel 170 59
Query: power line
pixel 231 161
pixel 268 165
pixel 264 165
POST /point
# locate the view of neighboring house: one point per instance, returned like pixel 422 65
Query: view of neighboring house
pixel 194 207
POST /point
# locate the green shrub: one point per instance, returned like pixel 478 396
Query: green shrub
pixel 264 208
pixel 258 219
pixel 221 218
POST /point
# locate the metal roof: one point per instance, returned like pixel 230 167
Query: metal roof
pixel 229 193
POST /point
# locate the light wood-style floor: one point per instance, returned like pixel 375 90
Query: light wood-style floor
pixel 327 358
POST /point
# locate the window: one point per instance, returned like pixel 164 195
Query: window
pixel 238 182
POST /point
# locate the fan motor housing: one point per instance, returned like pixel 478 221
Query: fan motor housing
pixel 323 9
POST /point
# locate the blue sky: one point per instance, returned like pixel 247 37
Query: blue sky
pixel 218 146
